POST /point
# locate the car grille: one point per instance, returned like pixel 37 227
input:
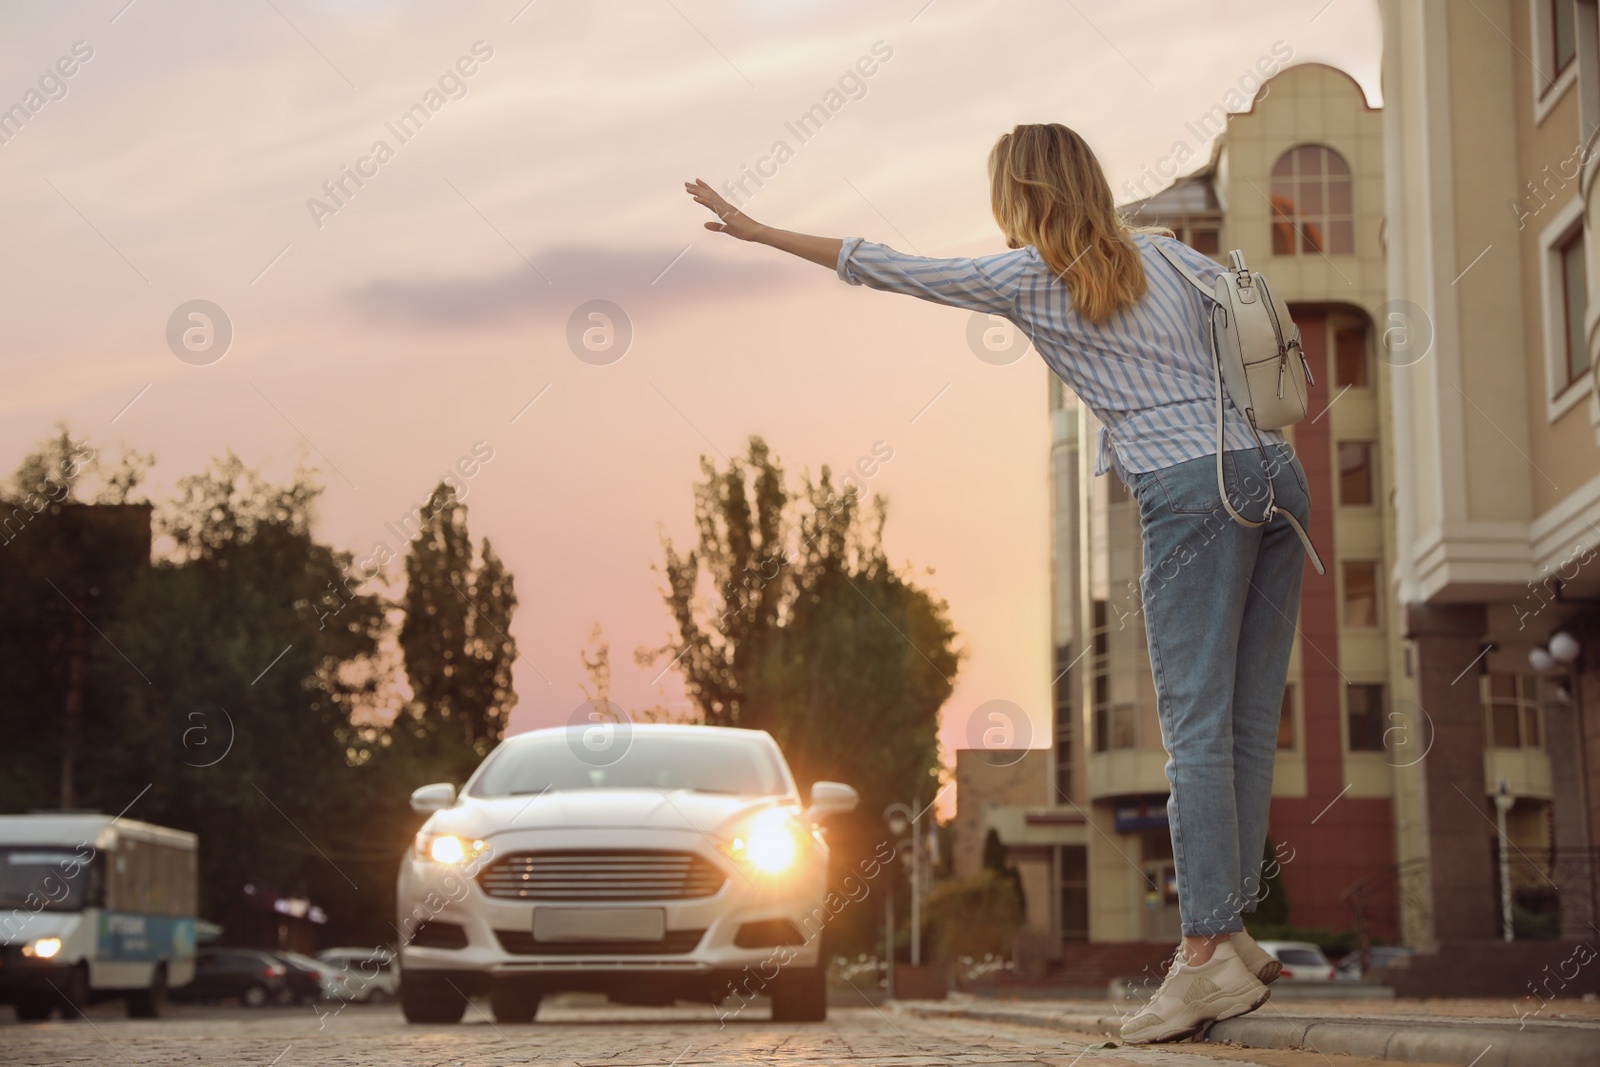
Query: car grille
pixel 523 943
pixel 634 874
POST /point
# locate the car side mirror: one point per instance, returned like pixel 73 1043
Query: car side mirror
pixel 831 798
pixel 435 797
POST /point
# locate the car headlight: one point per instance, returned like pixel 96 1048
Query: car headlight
pixel 450 849
pixel 771 842
pixel 43 948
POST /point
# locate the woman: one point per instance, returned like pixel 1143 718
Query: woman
pixel 1118 324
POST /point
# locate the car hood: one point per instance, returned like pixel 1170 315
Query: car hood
pixel 597 808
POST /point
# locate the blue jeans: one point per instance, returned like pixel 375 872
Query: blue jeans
pixel 1221 602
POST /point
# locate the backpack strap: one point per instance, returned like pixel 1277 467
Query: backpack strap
pixel 1183 268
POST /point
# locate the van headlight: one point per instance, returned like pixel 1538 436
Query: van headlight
pixel 451 849
pixel 43 948
pixel 770 842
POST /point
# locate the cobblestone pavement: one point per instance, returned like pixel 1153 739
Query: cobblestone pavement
pixel 615 1037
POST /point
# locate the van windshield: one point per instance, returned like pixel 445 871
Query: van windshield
pixel 44 879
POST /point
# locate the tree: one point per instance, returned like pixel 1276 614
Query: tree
pixel 790 619
pixel 995 859
pixel 973 917
pixel 221 684
pixel 456 640
pixel 227 693
pixel 62 467
pixel 63 569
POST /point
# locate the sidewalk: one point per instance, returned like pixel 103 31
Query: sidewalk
pixel 1479 1033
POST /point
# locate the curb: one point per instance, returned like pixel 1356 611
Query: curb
pixel 1461 1043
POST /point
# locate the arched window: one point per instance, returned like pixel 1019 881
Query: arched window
pixel 1312 203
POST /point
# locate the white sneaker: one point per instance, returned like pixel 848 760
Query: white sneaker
pixel 1194 995
pixel 1257 960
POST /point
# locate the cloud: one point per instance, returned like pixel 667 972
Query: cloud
pixel 559 279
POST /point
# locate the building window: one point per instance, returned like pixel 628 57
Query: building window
pixel 1574 304
pixel 1357 483
pixel 1064 781
pixel 1352 362
pixel 1512 705
pixel 1312 203
pixel 1555 40
pixel 1563 36
pixel 1206 239
pixel 1074 882
pixel 1360 593
pixel 1363 710
pixel 1286 719
pixel 1123 734
pixel 1066 719
pixel 1564 284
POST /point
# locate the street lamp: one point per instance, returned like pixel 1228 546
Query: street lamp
pixel 902 821
pixel 1565 649
pixel 1504 799
pixel 1563 654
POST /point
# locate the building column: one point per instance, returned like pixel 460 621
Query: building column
pixel 1573 875
pixel 1460 830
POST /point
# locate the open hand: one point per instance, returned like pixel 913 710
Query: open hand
pixel 733 222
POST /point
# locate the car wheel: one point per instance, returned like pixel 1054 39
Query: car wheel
pixel 254 996
pixel 74 999
pixel 800 995
pixel 147 1003
pixel 32 1008
pixel 428 999
pixel 511 1005
pixel 377 996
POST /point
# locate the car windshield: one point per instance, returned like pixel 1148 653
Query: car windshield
pixel 1303 957
pixel 709 762
pixel 44 879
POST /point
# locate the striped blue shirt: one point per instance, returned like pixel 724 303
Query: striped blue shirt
pixel 1145 372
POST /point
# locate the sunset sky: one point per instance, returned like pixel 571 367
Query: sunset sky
pixel 383 335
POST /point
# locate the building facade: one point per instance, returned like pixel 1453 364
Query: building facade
pixel 1490 120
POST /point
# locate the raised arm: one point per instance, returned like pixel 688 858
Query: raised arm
pixel 986 284
pixel 823 251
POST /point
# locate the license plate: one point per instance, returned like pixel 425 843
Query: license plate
pixel 599 924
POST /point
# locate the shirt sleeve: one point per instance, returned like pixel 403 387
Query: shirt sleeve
pixel 986 284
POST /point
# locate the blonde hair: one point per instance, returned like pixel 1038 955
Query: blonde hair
pixel 1047 190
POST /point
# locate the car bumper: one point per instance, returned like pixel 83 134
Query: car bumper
pixel 23 975
pixel 745 926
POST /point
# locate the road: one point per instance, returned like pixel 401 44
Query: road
pixel 613 1036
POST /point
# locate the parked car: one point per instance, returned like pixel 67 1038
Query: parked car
pixel 252 977
pixel 663 863
pixel 368 975
pixel 307 980
pixel 1378 957
pixel 1301 960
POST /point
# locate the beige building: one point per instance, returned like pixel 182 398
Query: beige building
pixel 1491 112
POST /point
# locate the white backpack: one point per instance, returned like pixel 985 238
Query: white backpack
pixel 1257 358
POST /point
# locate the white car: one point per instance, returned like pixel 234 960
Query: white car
pixel 1301 960
pixel 649 862
pixel 367 975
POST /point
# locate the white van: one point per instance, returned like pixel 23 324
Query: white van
pixel 94 908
